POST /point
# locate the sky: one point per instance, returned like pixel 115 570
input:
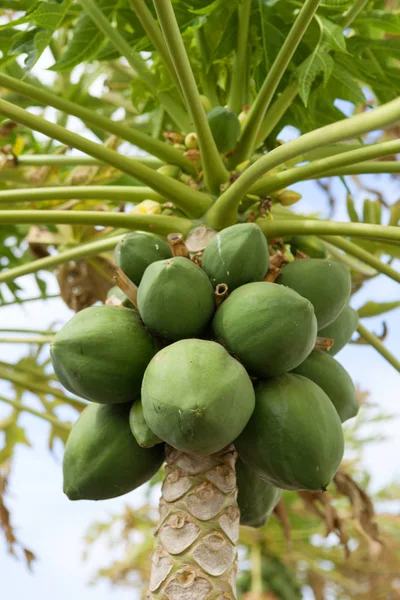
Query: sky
pixel 54 528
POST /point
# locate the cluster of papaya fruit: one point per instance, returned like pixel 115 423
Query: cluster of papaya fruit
pixel 210 352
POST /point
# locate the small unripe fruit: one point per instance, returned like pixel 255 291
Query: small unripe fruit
pixel 191 141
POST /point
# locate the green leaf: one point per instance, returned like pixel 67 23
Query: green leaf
pixel 373 309
pixel 14 434
pixel 46 17
pixel 345 87
pixel 379 19
pixel 319 61
pixel 335 4
pixel 333 35
pixel 86 40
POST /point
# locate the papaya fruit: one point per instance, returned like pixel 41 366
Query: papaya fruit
pixel 236 255
pixel 175 298
pixel 225 128
pixel 309 244
pixel 101 354
pixel 294 438
pixel 196 397
pixel 102 459
pixel 331 377
pixel 116 292
pixel 256 498
pixel 325 283
pixel 140 430
pixel 137 250
pixel 341 329
pixel 270 328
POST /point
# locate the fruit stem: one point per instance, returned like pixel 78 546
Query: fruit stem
pixel 363 255
pixel 136 62
pixel 190 200
pixel 163 151
pixel 239 81
pixel 126 285
pixel 50 418
pixel 224 211
pixel 221 293
pixel 277 71
pixel 196 550
pixel 322 343
pixel 374 341
pixel 177 245
pixel 324 166
pixel 215 173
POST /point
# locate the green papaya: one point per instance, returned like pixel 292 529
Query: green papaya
pixel 101 354
pixel 341 329
pixel 225 128
pixel 140 430
pixel 236 255
pixel 270 328
pixel 196 397
pixel 137 250
pixel 116 292
pixel 175 298
pixel 309 244
pixel 294 438
pixel 331 377
pixel 102 459
pixel 326 284
pixel 256 498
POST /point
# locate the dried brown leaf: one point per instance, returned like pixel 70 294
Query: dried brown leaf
pixel 85 282
pixel 281 513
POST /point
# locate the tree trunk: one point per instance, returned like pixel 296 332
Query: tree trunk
pixel 195 555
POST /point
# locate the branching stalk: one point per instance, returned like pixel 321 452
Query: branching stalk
pixel 352 12
pixel 113 193
pixel 60 160
pixel 33 299
pixel 280 228
pixel 224 211
pixel 40 340
pixel 363 255
pixel 276 112
pixel 374 341
pixel 47 417
pixel 163 151
pixel 319 168
pixel 215 173
pixel 274 77
pixel 154 33
pixel 190 200
pixel 136 62
pixel 239 73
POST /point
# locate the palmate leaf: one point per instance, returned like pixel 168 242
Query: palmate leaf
pixel 85 41
pixel 379 19
pixel 47 17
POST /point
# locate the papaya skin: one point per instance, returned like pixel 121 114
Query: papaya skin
pixel 225 128
pixel 102 460
pixel 294 438
pixel 325 283
pixel 175 299
pixel 137 250
pixel 270 328
pixel 196 397
pixel 256 498
pixel 236 255
pixel 101 354
pixel 326 372
pixel 309 244
pixel 139 428
pixel 341 329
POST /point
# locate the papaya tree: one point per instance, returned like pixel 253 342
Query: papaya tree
pixel 214 350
